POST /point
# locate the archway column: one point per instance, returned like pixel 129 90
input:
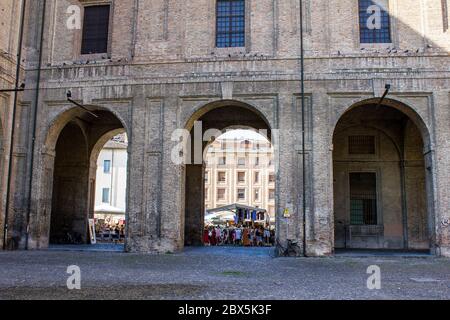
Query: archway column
pixel 195 206
pixel 438 167
pixel 286 141
pixel 145 172
pixel 41 201
pixel 289 221
pixel 173 184
pixel 319 181
pixel 442 203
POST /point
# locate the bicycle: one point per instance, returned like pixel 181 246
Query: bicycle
pixel 291 250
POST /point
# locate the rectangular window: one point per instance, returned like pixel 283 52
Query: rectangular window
pixel 221 177
pixel 107 166
pixel 374 21
pixel 361 145
pixel 230 24
pixel 363 199
pixel 206 177
pixel 241 177
pixel 271 177
pixel 256 194
pixel 256 177
pixel 256 161
pixel 241 194
pixel 241 162
pixel 271 194
pixel 105 195
pixel 222 161
pixel 221 194
pixel 245 145
pixel 95 29
pixel 206 194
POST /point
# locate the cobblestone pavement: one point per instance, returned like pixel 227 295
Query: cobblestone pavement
pixel 218 273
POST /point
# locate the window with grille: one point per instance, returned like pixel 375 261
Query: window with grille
pixel 241 194
pixel 361 144
pixel 95 29
pixel 374 21
pixel 230 25
pixel 363 199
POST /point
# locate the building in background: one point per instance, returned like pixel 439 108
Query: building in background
pixel 240 169
pixel 111 180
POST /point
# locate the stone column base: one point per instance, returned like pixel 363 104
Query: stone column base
pixel 150 245
pixel 314 249
pixel 443 252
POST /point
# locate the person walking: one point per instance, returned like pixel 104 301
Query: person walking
pixel 238 236
pixel 206 237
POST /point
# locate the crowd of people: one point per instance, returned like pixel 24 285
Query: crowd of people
pixel 109 231
pixel 247 236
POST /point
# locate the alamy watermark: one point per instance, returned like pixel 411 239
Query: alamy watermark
pixel 74 280
pixel 374 280
pixel 190 145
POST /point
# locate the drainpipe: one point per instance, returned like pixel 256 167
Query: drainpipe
pixel 302 80
pixel 35 108
pixel 14 111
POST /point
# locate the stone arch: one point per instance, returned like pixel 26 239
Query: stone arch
pixel 219 115
pixel 204 108
pixel 411 178
pixel 396 104
pixel 94 131
pixel 57 122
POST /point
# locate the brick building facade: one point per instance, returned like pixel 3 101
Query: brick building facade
pixel 376 176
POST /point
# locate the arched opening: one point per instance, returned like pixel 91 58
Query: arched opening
pixel 69 216
pixel 222 193
pixel 381 198
pixel 110 161
pixel 77 146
